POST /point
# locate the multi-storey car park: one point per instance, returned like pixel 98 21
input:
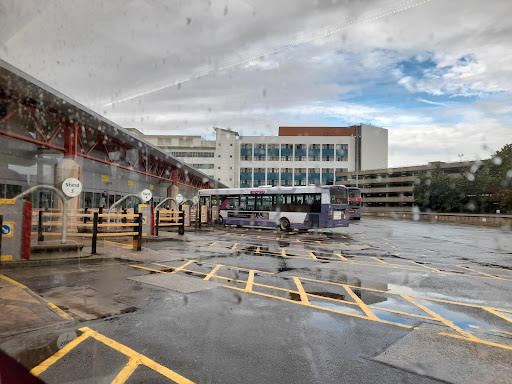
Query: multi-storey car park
pixel 392 189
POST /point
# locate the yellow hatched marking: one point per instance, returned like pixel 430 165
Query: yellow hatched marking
pixel 213 271
pixel 283 252
pixel 127 371
pixel 496 313
pixel 177 378
pixel 258 248
pixel 147 269
pixel 504 332
pixel 441 319
pixel 360 302
pixel 302 293
pixel 234 246
pixel 475 340
pixel 36 371
pixel 379 260
pixel 313 255
pixel 424 266
pixel 213 244
pixel 482 273
pixel 182 266
pixel 341 256
pixel 250 281
pixel 317 306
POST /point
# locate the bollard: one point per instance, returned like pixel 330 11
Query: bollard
pixel 85 213
pixel 125 212
pixel 40 236
pixel 94 232
pixel 157 222
pixel 100 210
pixel 139 236
pixel 181 228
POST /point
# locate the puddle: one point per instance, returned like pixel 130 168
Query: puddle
pixel 332 295
pixel 31 358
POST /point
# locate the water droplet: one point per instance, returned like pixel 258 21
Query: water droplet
pixel 497 160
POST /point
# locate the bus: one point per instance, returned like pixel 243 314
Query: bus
pixel 354 202
pixel 287 208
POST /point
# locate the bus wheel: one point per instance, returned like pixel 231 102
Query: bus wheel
pixel 221 220
pixel 284 224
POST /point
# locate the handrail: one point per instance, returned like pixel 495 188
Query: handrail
pixel 64 205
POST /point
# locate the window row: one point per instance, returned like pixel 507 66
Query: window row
pixel 193 154
pixel 309 202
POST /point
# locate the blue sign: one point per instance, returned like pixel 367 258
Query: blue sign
pixel 7 229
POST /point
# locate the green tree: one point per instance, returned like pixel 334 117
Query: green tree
pixel 437 191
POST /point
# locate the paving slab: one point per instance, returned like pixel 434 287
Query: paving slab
pixel 426 352
pixel 183 284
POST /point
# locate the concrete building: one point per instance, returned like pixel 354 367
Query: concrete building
pixel 298 156
pixel 392 189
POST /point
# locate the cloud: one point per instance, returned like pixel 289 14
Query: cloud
pixel 440 67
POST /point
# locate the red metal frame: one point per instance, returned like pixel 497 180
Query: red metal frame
pixel 76 135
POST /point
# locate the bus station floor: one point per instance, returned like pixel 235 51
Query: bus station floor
pixel 380 301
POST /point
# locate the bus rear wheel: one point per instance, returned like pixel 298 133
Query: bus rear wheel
pixel 284 224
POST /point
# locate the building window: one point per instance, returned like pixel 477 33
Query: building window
pixel 193 154
pixel 246 152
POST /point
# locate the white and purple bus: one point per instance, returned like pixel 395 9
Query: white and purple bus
pixel 288 208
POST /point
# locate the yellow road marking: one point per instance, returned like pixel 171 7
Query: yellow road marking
pixel 504 332
pixel 127 371
pixel 424 266
pixel 13 282
pixel 360 302
pixel 147 269
pixel 439 318
pixel 133 354
pixel 283 252
pixel 258 249
pixel 183 266
pixel 341 256
pixel 234 246
pixel 479 341
pixel 474 326
pixel 36 371
pixel 59 311
pixel 250 281
pixel 313 255
pixel 302 293
pixel 481 273
pixel 212 244
pixel 213 271
pixel 377 259
pixel 496 313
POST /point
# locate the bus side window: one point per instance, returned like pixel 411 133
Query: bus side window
pixel 266 202
pixel 299 203
pixel 278 202
pixel 251 200
pixel 317 206
pixel 243 203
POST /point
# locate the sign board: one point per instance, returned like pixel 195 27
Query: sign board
pixel 104 178
pixel 130 182
pixel 179 198
pixel 195 199
pixel 146 195
pixel 8 229
pixel 72 187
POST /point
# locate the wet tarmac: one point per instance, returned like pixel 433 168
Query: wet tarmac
pixel 254 305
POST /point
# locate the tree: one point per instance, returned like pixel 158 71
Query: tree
pixel 437 191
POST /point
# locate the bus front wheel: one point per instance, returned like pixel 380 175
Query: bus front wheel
pixel 284 224
pixel 221 220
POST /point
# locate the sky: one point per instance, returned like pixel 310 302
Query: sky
pixel 437 74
